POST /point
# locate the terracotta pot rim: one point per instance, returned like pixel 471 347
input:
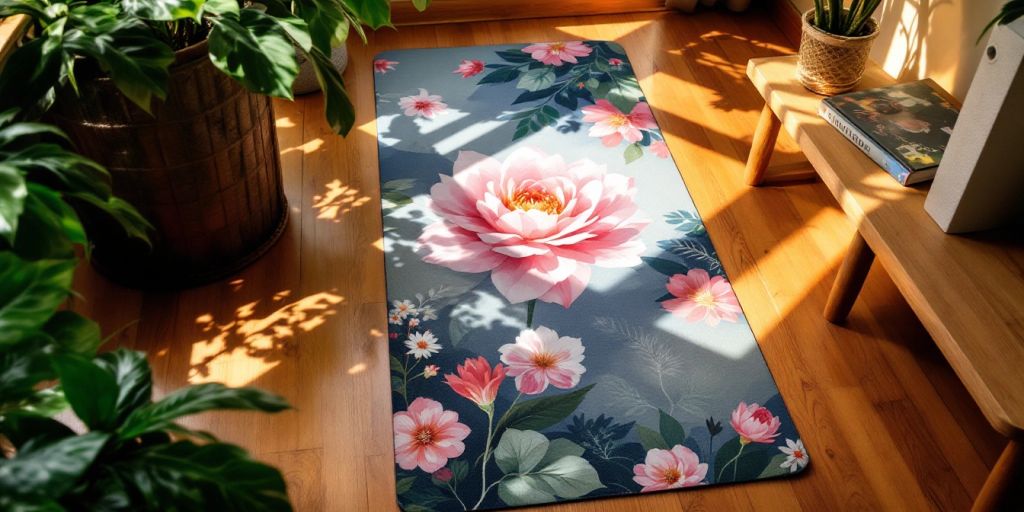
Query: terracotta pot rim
pixel 871 23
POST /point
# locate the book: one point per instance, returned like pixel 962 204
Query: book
pixel 904 128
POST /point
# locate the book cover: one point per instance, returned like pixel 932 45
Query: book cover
pixel 911 122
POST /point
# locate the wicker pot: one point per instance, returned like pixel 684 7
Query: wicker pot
pixel 203 169
pixel 831 64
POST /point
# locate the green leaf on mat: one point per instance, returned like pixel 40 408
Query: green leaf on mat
pixel 541 413
pixel 671 430
pixel 650 439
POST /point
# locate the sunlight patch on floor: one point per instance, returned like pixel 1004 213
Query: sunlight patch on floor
pixel 337 200
pixel 247 346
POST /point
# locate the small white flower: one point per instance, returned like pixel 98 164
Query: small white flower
pixel 404 308
pixel 394 317
pixel 429 313
pixel 422 345
pixel 414 322
pixel 796 456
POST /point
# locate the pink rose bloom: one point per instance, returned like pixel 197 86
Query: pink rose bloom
pixel 540 357
pixel 612 125
pixel 476 381
pixel 669 469
pixel 702 298
pixel 469 68
pixel 660 149
pixel 555 54
pixel 427 436
pixel 534 222
pixel 382 66
pixel 614 62
pixel 424 105
pixel 755 424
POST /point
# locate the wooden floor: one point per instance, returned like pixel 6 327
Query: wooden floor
pixel 887 423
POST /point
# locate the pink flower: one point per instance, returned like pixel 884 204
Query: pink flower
pixel 614 62
pixel 755 424
pixel 702 298
pixel 382 66
pixel 660 149
pixel 540 357
pixel 427 436
pixel 534 222
pixel 612 125
pixel 425 105
pixel 477 381
pixel 555 54
pixel 669 469
pixel 470 68
pixel 430 370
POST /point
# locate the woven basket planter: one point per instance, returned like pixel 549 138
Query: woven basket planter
pixel 831 64
pixel 203 169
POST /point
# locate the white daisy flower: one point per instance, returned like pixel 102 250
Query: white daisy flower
pixel 404 308
pixel 796 456
pixel 422 345
pixel 394 317
pixel 414 322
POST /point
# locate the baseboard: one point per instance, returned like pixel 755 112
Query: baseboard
pixel 453 11
pixel 787 18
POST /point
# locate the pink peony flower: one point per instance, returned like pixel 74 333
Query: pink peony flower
pixel 702 298
pixel 382 66
pixel 614 62
pixel 533 221
pixel 555 54
pixel 540 357
pixel 612 125
pixel 669 469
pixel 755 424
pixel 660 149
pixel 427 436
pixel 424 105
pixel 469 68
pixel 477 381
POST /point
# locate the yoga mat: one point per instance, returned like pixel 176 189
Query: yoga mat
pixel 560 326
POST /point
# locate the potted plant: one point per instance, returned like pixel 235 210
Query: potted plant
pixel 122 456
pixel 834 44
pixel 172 97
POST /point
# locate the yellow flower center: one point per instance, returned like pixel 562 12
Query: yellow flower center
pixel 704 298
pixel 421 344
pixel 556 48
pixel 532 199
pixel 618 120
pixel 671 476
pixel 544 360
pixel 797 454
pixel 424 436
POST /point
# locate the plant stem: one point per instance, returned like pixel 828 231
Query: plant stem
pixel 529 313
pixel 452 489
pixel 731 461
pixel 487 455
pixel 711 442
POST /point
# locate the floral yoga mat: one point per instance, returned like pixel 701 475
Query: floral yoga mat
pixel 560 325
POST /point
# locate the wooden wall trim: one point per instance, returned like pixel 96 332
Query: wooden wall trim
pixel 452 11
pixel 787 18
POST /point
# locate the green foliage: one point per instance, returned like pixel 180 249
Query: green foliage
pixel 830 16
pixel 541 413
pixel 538 470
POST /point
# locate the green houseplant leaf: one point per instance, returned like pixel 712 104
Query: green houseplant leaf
pixel 46 212
pixel 91 390
pixel 12 200
pixel 30 293
pixel 195 399
pixel 254 49
pixel 133 377
pixel 50 469
pixel 164 10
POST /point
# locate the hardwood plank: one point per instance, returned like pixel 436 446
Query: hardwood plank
pixel 780 246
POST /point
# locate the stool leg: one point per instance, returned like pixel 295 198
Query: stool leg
pixel 997 493
pixel 851 277
pixel 763 145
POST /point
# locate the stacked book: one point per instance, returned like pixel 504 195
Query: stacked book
pixel 904 128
